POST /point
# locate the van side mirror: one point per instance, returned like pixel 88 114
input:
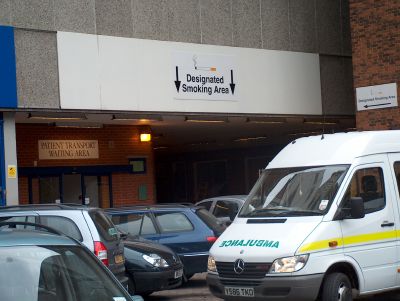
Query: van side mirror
pixel 355 209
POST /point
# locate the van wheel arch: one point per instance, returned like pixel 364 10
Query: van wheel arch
pixel 345 268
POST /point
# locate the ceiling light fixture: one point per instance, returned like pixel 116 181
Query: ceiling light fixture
pixel 266 120
pixel 245 139
pixel 320 121
pixel 136 117
pixel 57 116
pixel 78 125
pixel 206 119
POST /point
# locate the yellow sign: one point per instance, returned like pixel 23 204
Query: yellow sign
pixel 12 171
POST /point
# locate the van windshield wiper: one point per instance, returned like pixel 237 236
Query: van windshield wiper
pixel 281 211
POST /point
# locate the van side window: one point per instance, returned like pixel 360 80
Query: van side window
pixel 396 166
pixel 368 184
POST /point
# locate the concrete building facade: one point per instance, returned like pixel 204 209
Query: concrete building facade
pixel 256 31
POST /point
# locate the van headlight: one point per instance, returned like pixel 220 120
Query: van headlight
pixel 289 264
pixel 156 260
pixel 211 266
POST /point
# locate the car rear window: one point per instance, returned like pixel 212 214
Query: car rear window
pixel 210 220
pixel 104 225
pixel 173 222
pixel 62 224
pixel 134 224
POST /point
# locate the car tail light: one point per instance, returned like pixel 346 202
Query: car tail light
pixel 211 238
pixel 100 251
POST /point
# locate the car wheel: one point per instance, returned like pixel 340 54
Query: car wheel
pixel 131 285
pixel 337 287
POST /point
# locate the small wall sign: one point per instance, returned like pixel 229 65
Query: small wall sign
pixel 12 171
pixel 138 165
pixel 377 97
pixel 68 149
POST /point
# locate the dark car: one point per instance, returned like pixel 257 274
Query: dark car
pixel 49 266
pixel 188 230
pixel 151 266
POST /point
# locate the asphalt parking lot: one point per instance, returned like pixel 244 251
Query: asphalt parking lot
pixel 195 290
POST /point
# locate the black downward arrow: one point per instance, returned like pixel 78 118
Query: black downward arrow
pixel 177 82
pixel 232 84
pixel 377 105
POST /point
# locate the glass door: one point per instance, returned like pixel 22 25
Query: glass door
pixel 72 189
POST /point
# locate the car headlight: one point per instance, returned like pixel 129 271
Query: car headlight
pixel 156 260
pixel 211 266
pixel 289 264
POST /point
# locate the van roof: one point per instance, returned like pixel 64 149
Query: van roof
pixel 338 148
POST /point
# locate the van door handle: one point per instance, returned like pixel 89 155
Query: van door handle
pixel 387 224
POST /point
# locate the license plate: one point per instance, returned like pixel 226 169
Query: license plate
pixel 178 273
pixel 239 291
pixel 119 259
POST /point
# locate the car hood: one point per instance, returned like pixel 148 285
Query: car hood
pixel 263 241
pixel 145 246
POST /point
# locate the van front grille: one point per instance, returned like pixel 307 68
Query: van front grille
pixel 252 270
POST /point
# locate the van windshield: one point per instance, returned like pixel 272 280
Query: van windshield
pixel 299 191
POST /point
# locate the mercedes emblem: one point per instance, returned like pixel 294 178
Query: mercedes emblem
pixel 238 266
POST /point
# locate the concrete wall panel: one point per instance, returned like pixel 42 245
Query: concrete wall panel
pixel 33 14
pixel 114 18
pixel 216 22
pixel 302 25
pixel 37 70
pixel 75 15
pixel 337 85
pixel 150 19
pixel 246 23
pixel 275 24
pixel 329 27
pixel 5 12
pixel 184 20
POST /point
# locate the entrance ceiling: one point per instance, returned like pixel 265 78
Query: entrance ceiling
pixel 174 133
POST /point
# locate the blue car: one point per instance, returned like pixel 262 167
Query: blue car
pixel 188 230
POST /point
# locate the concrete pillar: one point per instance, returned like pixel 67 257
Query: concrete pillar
pixel 10 156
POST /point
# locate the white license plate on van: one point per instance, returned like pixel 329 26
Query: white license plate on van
pixel 178 273
pixel 239 291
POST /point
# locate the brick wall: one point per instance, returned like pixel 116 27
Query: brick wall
pixel 375 30
pixel 116 145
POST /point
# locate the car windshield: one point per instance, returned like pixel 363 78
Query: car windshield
pixel 300 191
pixel 59 273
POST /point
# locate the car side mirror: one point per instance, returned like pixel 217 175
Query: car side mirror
pixel 355 210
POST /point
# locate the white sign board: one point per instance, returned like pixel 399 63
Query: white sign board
pixel 127 74
pixel 68 149
pixel 376 97
pixel 203 76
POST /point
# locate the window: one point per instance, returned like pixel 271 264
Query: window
pixel 368 184
pixel 25 219
pixel 397 174
pixel 206 205
pixel 225 209
pixel 134 224
pixel 173 222
pixel 62 224
pixel 104 225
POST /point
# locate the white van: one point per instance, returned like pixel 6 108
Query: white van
pixel 322 221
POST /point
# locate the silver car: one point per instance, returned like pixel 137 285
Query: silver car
pixel 224 208
pixel 88 225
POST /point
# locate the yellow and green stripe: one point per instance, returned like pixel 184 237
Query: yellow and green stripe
pixel 349 240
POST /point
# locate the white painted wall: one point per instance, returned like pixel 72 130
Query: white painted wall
pixel 138 75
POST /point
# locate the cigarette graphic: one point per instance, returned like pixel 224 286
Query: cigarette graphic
pixel 212 69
